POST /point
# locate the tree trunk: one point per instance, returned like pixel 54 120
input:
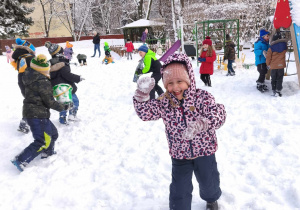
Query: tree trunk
pixel 169 18
pixel 149 9
pixel 140 9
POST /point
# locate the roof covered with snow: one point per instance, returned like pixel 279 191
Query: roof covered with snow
pixel 295 12
pixel 144 23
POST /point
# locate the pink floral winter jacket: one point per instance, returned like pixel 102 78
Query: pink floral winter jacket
pixel 197 104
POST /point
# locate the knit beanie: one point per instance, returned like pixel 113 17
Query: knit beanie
pixel 207 41
pixel 173 71
pixel 68 45
pixel 41 65
pixel 276 36
pixel 263 33
pixel 25 43
pixel 53 48
pixel 143 48
pixel 228 37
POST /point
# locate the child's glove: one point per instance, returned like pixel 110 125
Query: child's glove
pixel 69 106
pixel 139 71
pixel 195 127
pixel 201 59
pixel 265 53
pixel 144 86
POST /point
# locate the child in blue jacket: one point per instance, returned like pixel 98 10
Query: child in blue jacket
pixel 261 47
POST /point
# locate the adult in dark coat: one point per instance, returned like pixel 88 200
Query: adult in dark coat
pixel 96 41
pixel 60 72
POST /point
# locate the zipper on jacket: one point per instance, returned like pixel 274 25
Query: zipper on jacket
pixel 184 119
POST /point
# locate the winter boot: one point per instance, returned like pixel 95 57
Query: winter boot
pixel 47 153
pixel 260 88
pixel 265 87
pixel 85 63
pixel 81 64
pixel 18 164
pixel 63 120
pixel 278 92
pixel 23 127
pixel 212 206
pixel 72 115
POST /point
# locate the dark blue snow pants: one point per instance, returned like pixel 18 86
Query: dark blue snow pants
pixel 207 175
pixel 44 134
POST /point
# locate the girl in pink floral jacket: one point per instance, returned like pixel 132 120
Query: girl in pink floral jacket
pixel 191 117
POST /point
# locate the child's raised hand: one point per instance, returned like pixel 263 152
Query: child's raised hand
pixel 195 127
pixel 144 86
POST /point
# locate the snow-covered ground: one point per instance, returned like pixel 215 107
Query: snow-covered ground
pixel 111 160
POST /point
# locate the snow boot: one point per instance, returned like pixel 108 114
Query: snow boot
pixel 72 115
pixel 23 127
pixel 278 92
pixel 265 87
pixel 63 120
pixel 260 88
pixel 46 153
pixel 18 164
pixel 212 206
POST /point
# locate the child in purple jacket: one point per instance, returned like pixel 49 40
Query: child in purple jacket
pixel 191 117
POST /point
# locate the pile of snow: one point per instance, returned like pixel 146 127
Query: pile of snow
pixel 295 12
pixel 112 160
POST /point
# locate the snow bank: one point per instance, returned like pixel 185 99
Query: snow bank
pixel 111 160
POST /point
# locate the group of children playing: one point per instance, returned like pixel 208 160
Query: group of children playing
pixel 190 115
pixel 36 78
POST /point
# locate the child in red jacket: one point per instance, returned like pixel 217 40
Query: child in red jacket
pixel 207 58
pixel 129 48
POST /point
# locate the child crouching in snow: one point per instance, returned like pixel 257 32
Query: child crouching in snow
pixel 81 59
pixel 108 58
pixel 191 117
pixel 36 110
pixel 207 58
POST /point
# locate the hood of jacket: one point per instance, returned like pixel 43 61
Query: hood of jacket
pixel 181 58
pixel 151 54
pixel 279 45
pixel 30 76
pixel 191 91
pixel 230 43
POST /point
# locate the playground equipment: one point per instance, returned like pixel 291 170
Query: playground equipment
pixel 283 19
pixel 238 61
pixel 227 28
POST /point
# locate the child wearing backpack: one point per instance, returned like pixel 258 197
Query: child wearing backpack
pixel 191 117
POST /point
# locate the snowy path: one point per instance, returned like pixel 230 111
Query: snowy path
pixel 113 160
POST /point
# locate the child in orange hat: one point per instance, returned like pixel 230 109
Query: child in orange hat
pixel 68 52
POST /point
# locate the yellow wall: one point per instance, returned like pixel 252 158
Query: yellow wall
pixel 37 30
